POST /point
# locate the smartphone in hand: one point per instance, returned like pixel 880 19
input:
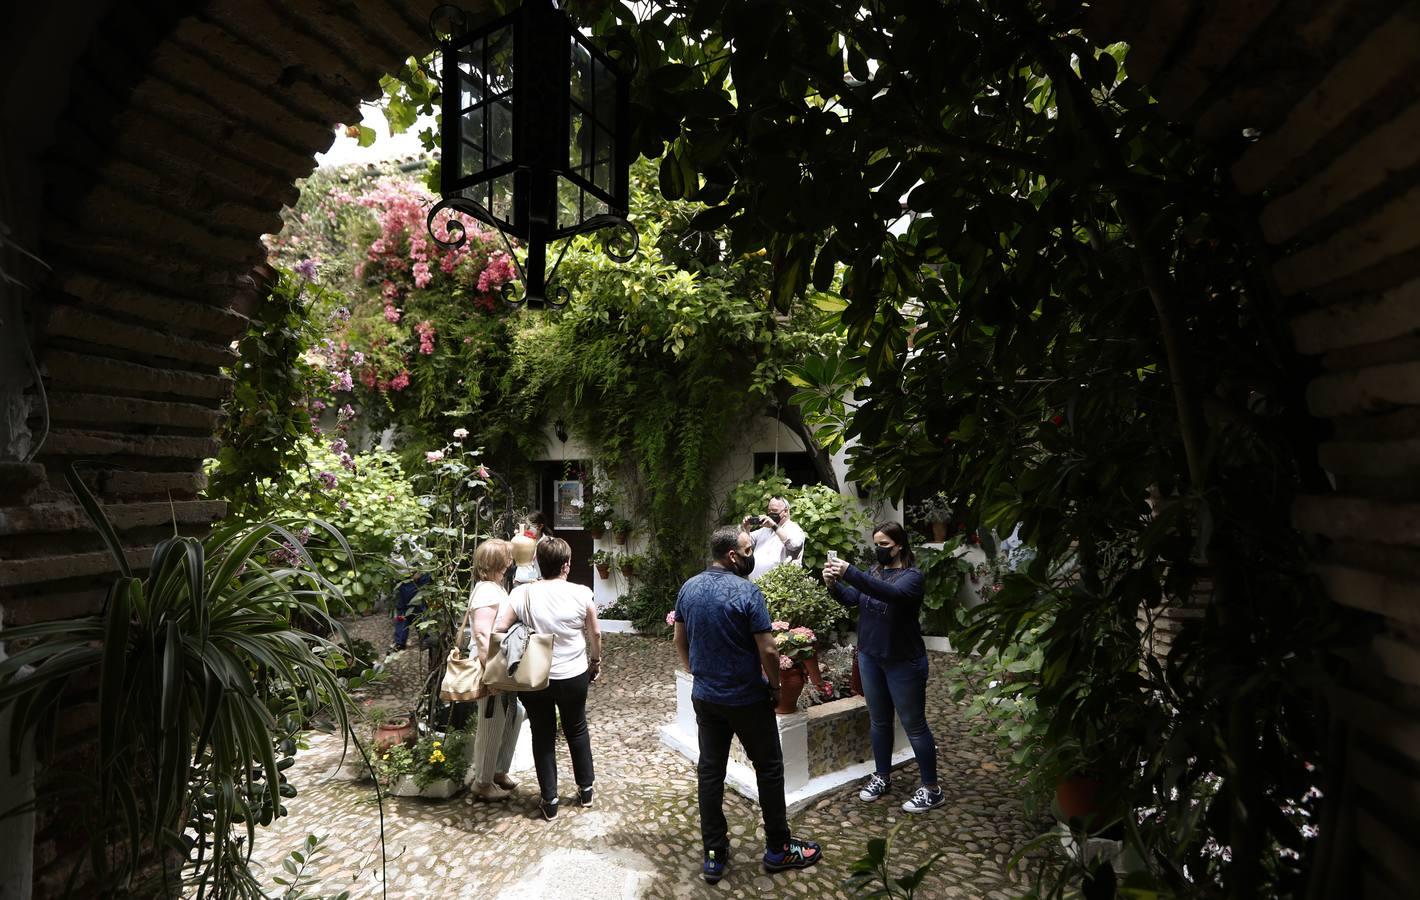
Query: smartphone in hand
pixel 833 556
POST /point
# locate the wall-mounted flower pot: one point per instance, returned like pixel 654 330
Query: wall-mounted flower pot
pixel 939 531
pixel 604 571
pixel 596 533
pixel 628 571
pixel 1078 797
pixel 621 536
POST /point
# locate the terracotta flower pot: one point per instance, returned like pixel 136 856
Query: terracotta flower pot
pixel 628 571
pixel 621 536
pixel 791 685
pixel 604 571
pixel 1078 797
pixel 811 669
pixel 397 730
pixel 939 531
pixel 596 533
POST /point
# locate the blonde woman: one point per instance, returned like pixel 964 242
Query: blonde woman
pixel 500 716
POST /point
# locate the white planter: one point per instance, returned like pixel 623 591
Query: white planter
pixel 825 747
pixel 441 789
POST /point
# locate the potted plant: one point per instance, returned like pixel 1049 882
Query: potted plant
pixel 629 562
pixel 621 530
pixel 434 766
pixel 795 645
pixel 595 515
pixel 391 729
pixel 936 511
pixel 797 597
pixel 603 559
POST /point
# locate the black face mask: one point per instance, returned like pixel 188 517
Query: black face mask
pixel 744 565
pixel 884 555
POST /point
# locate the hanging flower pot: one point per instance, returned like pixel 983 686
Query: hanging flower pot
pixel 939 531
pixel 597 532
pixel 621 537
pixel 1078 797
pixel 628 570
pixel 603 571
pixel 393 732
pixel 791 685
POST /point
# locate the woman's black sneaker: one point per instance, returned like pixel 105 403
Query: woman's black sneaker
pixel 873 788
pixel 584 796
pixel 548 808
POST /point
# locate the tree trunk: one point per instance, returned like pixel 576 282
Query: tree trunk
pixel 789 414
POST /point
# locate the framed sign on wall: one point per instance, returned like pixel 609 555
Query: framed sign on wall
pixel 566 504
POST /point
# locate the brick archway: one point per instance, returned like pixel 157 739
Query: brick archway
pixel 186 130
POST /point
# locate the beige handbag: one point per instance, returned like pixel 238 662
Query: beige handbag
pixel 463 675
pixel 532 668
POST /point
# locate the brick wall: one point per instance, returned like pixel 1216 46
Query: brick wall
pixel 184 131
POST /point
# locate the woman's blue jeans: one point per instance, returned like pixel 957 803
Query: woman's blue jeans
pixel 898 685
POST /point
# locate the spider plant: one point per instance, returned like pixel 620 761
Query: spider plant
pixel 204 679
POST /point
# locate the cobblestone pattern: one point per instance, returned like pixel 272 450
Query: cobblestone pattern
pixel 641 838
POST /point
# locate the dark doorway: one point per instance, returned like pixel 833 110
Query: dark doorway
pixel 558 481
pixel 797 466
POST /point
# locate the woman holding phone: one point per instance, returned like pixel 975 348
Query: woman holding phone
pixel 892 658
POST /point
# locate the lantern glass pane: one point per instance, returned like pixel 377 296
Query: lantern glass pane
pixel 472 157
pixel 582 84
pixel 569 203
pixel 601 172
pixel 500 60
pixel 500 201
pixel 605 81
pixel 471 77
pixel 500 132
pixel 579 147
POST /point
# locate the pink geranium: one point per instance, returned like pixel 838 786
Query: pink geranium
pixel 400 381
pixel 391 313
pixel 779 626
pixel 425 330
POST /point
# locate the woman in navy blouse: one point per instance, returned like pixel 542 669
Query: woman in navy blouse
pixel 892 659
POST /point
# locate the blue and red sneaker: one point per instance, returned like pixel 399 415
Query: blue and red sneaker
pixel 796 854
pixel 713 869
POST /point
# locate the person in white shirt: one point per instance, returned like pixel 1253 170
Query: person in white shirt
pixel 566 611
pixel 500 718
pixel 778 539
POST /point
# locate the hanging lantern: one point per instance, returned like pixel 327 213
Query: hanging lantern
pixel 536 139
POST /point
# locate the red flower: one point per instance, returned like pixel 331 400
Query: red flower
pixel 1057 420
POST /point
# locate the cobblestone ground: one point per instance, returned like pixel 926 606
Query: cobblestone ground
pixel 641 838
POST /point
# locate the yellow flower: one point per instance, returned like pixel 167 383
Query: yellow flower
pixel 438 743
pixel 386 756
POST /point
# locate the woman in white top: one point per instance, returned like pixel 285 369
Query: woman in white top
pixel 566 611
pixel 500 717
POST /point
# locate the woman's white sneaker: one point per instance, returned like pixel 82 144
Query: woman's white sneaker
pixel 873 788
pixel 924 799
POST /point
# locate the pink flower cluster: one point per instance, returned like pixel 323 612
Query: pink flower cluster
pixel 498 272
pixel 425 330
pixel 342 381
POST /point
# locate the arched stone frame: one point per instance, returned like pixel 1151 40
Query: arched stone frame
pixel 186 127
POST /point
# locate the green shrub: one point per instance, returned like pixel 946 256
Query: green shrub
pixel 797 597
pixel 830 520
